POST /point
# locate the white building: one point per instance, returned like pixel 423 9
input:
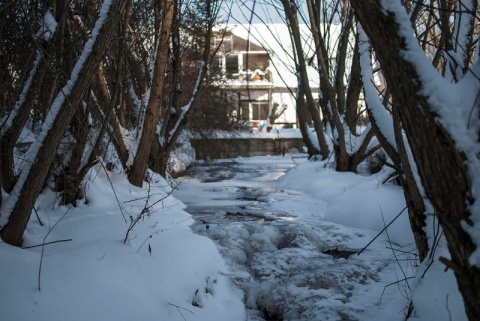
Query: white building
pixel 257 67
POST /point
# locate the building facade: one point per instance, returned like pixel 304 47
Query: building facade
pixel 258 74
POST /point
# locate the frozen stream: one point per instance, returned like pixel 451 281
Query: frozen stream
pixel 291 263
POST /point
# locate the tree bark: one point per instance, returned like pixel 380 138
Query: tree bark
pixel 18 206
pixel 441 165
pixel 136 174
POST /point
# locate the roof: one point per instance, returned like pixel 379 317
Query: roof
pixel 275 38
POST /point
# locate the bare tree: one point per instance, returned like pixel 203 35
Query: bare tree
pixel 177 110
pixel 305 92
pixel 388 130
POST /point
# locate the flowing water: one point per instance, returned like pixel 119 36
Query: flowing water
pixel 290 263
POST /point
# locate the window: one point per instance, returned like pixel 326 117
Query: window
pixel 244 111
pixel 260 111
pixel 253 110
pixel 231 66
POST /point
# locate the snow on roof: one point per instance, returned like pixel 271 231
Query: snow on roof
pixel 276 39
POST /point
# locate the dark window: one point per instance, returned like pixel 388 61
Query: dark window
pixel 231 66
pixel 259 110
pixel 244 111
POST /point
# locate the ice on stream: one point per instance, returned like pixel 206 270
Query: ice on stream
pixel 289 267
pixel 285 272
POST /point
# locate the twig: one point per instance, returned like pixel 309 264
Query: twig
pixel 163 198
pixel 122 210
pixel 38 217
pixel 139 198
pixel 380 233
pixel 379 302
pixel 150 236
pixel 395 255
pixel 53 242
pixel 146 209
pixel 428 267
pixel 178 309
pixel 448 310
pixel 404 252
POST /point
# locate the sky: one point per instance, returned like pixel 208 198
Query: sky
pixel 240 11
pixel 264 11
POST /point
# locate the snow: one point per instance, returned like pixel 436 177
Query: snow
pixel 47 26
pixel 96 277
pixel 167 272
pixel 382 118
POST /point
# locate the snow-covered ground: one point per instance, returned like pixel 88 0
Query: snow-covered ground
pixel 163 272
pixel 281 236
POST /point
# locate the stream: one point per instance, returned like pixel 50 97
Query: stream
pixel 290 263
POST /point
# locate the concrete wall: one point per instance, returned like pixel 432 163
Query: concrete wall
pixel 245 147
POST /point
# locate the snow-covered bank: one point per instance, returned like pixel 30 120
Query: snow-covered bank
pixel 165 272
pixel 94 276
pixel 364 202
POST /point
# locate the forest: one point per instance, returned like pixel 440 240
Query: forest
pixel 116 85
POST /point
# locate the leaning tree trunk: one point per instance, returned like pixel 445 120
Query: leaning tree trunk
pixel 18 206
pixel 442 166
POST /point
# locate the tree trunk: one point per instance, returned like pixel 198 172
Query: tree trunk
pixel 136 174
pixel 290 12
pixel 441 165
pixel 395 149
pixel 68 181
pixel 18 206
pixel 335 102
pixel 302 119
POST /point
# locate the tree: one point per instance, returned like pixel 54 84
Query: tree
pixel 195 23
pixel 17 207
pixel 441 128
pixel 304 93
pixel 164 16
pixel 339 97
pixel 333 35
pixel 388 130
